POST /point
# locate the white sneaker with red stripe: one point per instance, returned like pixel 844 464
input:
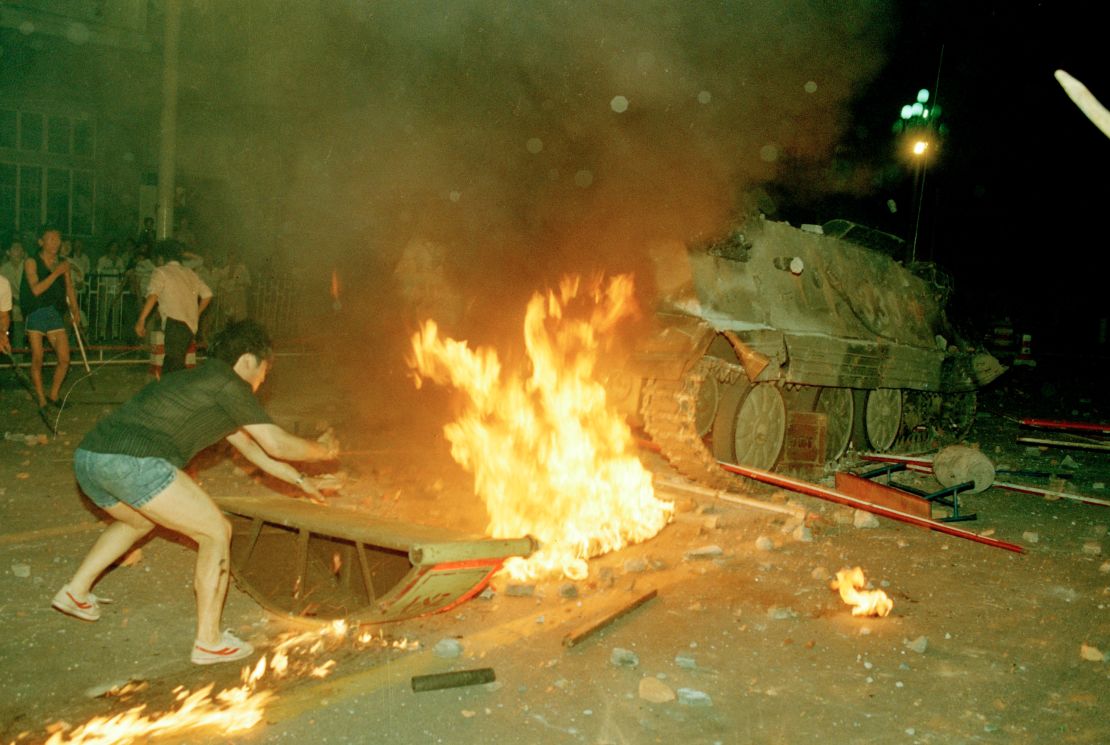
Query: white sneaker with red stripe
pixel 87 609
pixel 230 647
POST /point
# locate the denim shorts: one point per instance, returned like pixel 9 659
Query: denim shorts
pixel 111 479
pixel 45 320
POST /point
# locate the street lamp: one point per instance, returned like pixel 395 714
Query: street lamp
pixel 920 129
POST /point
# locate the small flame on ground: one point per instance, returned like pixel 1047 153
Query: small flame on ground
pixel 550 457
pixel 231 710
pixel 850 583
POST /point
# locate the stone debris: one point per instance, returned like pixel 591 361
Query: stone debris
pixel 919 645
pixel 621 657
pixel 447 648
pixel 821 574
pixel 863 519
pixel 1091 654
pixel 692 697
pixel 1105 567
pixel 21 570
pixel 1030 537
pixel 803 534
pixel 635 566
pixel 568 590
pixel 26 439
pixel 705 552
pixel 520 591
pixel 686 661
pixel 780 613
pixel 655 691
pixel 1092 548
pixel 763 543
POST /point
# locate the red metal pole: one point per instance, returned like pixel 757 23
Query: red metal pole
pixel 821 492
pixel 1055 424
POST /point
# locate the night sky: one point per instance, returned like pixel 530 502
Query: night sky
pixel 1015 202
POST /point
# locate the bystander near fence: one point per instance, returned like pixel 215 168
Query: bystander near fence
pixel 109 310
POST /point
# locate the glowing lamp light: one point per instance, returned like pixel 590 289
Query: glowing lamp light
pixel 920 147
pixel 923 96
pixel 907 112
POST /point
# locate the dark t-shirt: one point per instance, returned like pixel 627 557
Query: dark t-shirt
pixel 180 415
pixel 54 295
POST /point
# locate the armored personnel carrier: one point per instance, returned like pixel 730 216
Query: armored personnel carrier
pixel 777 340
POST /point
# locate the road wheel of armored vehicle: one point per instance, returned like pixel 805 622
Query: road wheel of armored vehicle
pixel 674 412
pixel 708 401
pixel 839 408
pixel 882 418
pixel 750 428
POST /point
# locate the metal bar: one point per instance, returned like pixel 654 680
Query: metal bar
pixel 456 679
pixel 364 565
pixel 1021 488
pixel 814 490
pixel 1058 424
pixel 1064 443
pixel 301 563
pixel 256 530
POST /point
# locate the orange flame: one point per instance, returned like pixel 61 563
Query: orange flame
pixel 231 710
pixel 334 284
pixel 550 457
pixel 850 583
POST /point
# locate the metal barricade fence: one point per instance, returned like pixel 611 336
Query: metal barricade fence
pixel 109 309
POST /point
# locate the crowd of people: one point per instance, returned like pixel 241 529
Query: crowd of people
pixel 111 284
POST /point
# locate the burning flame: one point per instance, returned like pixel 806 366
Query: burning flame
pixel 550 458
pixel 850 583
pixel 231 710
pixel 334 284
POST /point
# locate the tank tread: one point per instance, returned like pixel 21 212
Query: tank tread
pixel 669 412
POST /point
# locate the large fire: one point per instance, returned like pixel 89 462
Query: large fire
pixel 550 457
pixel 850 583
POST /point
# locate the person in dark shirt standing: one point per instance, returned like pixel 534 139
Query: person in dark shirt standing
pixel 46 288
pixel 130 465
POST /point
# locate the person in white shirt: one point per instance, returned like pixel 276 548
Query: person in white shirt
pixel 181 297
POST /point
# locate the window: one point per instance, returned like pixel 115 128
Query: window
pixel 82 209
pixel 8 128
pixel 7 196
pixel 30 131
pixel 30 197
pixel 57 135
pixel 57 198
pixel 83 138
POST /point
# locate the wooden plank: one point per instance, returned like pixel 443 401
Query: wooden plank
pixel 340 523
pixel 887 496
pixel 583 632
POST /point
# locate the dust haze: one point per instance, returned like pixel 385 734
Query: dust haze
pixel 452 158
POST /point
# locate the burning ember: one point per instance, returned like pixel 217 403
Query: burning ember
pixel 850 583
pixel 550 457
pixel 231 710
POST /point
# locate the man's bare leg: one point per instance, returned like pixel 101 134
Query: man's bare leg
pixel 183 506
pixel 34 338
pixel 60 341
pixel 114 542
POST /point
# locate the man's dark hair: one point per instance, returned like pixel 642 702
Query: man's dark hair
pixel 169 250
pixel 239 338
pixel 49 228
